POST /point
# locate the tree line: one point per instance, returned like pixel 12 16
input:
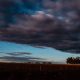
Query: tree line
pixel 72 60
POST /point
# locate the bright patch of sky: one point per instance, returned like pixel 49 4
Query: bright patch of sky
pixel 50 54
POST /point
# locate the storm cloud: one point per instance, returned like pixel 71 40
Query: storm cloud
pixel 40 27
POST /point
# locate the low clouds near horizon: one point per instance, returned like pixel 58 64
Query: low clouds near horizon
pixel 20 57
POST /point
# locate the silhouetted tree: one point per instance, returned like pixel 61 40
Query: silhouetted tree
pixel 72 60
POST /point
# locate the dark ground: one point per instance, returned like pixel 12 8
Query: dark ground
pixel 13 71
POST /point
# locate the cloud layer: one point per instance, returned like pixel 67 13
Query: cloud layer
pixel 45 31
pixel 45 27
pixel 20 57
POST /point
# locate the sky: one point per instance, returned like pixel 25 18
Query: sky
pixel 39 22
pixel 50 54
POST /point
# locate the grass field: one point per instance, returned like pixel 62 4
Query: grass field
pixel 40 67
pixel 25 71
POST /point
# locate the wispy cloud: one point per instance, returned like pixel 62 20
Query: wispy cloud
pixel 18 53
pixel 21 59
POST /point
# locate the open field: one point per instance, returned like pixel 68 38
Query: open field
pixel 26 71
pixel 37 67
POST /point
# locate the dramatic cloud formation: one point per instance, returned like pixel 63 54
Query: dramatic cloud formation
pixel 42 24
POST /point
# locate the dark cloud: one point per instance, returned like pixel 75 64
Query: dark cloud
pixel 46 32
pixel 21 59
pixel 18 53
pixel 41 28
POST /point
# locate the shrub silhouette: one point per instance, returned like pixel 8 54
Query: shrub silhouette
pixel 72 60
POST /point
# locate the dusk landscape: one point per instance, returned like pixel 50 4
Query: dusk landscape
pixel 40 37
